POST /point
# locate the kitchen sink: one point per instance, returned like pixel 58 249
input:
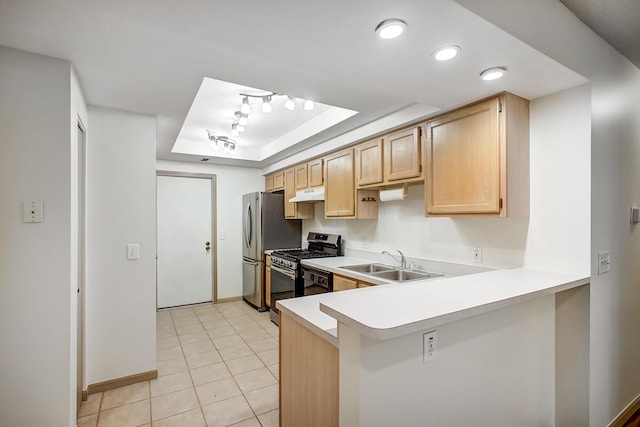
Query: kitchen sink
pixel 368 268
pixel 390 273
pixel 405 275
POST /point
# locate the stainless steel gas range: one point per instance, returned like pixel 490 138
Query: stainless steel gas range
pixel 289 279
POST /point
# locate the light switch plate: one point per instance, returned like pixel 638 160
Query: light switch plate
pixel 33 211
pixel 133 251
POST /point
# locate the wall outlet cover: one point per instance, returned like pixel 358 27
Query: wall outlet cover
pixel 430 343
pixel 604 262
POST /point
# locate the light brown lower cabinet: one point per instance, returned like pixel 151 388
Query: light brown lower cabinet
pixel 365 284
pixel 309 384
pixel 341 283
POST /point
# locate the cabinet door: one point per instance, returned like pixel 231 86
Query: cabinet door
pixel 339 197
pixel 302 180
pixel 341 283
pixel 402 154
pixel 463 161
pixel 315 173
pixel 268 183
pixel 289 192
pixel 278 180
pixel 369 162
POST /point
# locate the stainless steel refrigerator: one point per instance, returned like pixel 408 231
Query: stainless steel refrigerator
pixel 264 227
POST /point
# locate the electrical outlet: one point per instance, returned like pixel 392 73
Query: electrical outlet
pixel 364 242
pixel 604 262
pixel 430 346
pixel 477 255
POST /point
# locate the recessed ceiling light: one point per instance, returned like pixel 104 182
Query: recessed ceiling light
pixel 390 28
pixel 446 53
pixel 493 73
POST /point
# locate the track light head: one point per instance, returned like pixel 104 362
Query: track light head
pixel 266 104
pixel 290 104
pixel 245 108
pixel 308 105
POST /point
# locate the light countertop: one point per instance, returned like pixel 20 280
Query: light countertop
pixel 398 309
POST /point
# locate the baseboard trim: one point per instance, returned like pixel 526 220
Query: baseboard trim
pixel 85 394
pixel 624 416
pixel 122 381
pixel 230 299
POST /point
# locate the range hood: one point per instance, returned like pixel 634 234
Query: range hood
pixel 309 196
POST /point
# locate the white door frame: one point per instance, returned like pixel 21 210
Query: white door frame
pixel 81 140
pixel 214 232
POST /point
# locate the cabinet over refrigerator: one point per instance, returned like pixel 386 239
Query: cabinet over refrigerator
pixel 264 227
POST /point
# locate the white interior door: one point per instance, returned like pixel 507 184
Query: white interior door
pixel 184 265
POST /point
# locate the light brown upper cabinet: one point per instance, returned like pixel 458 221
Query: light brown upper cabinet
pixel 315 173
pixel 341 199
pixel 309 174
pixel 390 160
pixel 302 180
pixel 369 163
pixel 274 181
pixel 268 183
pixel 477 160
pixel 278 180
pixel 294 210
pixel 402 155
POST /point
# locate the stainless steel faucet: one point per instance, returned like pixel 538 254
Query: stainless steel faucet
pixel 402 260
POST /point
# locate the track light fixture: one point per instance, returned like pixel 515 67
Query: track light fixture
pixel 228 144
pixel 242 115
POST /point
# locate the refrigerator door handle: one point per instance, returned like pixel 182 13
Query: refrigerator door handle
pixel 248 226
pixel 246 261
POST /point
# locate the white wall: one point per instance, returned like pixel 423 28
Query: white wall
pixel 549 27
pixel 121 294
pixel 558 237
pixel 495 369
pixel 35 276
pixel 231 183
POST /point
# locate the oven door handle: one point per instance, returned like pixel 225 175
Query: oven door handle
pixel 290 274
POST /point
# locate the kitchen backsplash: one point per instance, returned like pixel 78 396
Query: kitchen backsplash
pixel 402 225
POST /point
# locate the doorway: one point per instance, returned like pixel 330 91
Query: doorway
pixel 186 250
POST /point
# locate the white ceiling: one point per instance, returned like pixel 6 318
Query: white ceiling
pixel 214 110
pixel 151 56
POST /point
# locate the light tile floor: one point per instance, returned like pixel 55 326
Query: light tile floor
pixel 217 366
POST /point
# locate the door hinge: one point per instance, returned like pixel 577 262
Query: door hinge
pixel 500 203
pixel 499 107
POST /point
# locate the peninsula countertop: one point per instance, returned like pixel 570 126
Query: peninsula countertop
pixel 397 309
